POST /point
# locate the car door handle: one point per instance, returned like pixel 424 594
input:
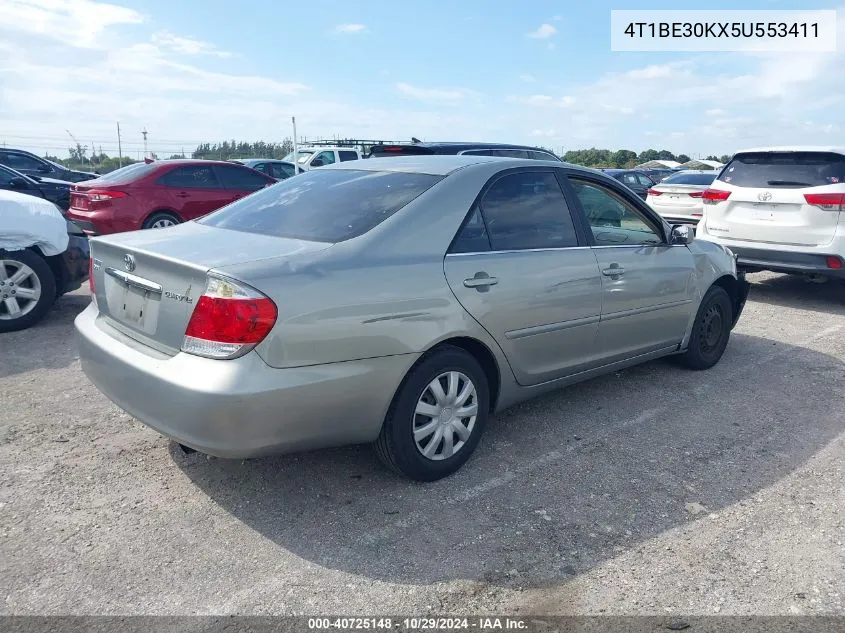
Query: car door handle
pixel 183 194
pixel 481 280
pixel 614 270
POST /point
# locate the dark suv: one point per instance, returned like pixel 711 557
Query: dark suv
pixel 476 149
pixel 29 164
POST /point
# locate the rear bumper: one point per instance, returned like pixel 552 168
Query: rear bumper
pixel 239 408
pixel 755 259
pixel 87 226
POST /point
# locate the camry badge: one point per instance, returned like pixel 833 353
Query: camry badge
pixel 764 196
pixel 129 262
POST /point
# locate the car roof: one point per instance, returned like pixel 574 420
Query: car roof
pixel 461 145
pixel 444 164
pixel 794 148
pixel 189 161
pixel 315 148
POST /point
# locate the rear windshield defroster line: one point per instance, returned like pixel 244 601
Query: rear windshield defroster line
pixel 323 205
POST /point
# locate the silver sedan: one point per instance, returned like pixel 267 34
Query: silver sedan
pixel 395 301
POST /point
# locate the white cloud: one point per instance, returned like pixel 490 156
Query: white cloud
pixel 434 95
pixel 714 112
pixel 349 28
pixel 545 100
pixel 80 23
pixel 543 32
pixel 186 45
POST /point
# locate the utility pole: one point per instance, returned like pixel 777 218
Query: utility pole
pixel 145 141
pixel 119 147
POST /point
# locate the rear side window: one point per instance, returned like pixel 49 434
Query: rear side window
pixel 691 179
pixel 190 177
pixel 527 210
pixel 345 156
pixel 240 178
pixel 323 205
pixel 785 169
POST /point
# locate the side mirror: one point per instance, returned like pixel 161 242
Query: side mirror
pixel 18 183
pixel 683 234
pixel 44 169
pixel 317 162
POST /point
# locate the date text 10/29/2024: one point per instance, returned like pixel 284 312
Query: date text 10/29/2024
pixel 417 624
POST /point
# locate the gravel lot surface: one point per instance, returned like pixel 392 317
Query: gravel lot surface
pixel 651 491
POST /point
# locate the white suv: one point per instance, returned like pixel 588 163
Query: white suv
pixel 312 157
pixel 780 209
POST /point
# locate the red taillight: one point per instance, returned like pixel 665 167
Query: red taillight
pixel 228 320
pixel 834 262
pixel 826 201
pixel 696 194
pixel 714 196
pixel 98 195
pixel 654 192
pixel 392 149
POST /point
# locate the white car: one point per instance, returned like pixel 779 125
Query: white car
pixel 678 197
pixel 311 157
pixel 780 209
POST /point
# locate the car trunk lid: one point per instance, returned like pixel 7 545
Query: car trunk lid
pixel 678 195
pixel 148 282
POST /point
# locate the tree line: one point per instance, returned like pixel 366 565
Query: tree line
pixel 626 158
pixel 80 157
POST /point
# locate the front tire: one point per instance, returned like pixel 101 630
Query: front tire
pixel 437 416
pixel 27 289
pixel 710 332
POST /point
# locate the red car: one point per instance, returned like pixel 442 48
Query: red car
pixel 157 194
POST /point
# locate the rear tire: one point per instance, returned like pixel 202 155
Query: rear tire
pixel 27 289
pixel 429 433
pixel 710 332
pixel 161 220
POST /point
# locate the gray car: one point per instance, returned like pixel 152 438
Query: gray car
pixel 395 301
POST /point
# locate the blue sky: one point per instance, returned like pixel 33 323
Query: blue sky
pixel 537 72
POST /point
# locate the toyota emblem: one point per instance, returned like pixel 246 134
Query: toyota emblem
pixel 129 262
pixel 764 196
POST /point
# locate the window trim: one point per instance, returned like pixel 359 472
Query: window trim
pixel 582 234
pixel 628 196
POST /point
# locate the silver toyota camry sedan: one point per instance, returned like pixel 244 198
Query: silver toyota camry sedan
pixel 395 301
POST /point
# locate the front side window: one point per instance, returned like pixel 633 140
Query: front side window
pixel 6 177
pixel 323 205
pixel 644 180
pixel 190 177
pixel 527 210
pixel 612 219
pixel 325 158
pixel 22 161
pixel 281 171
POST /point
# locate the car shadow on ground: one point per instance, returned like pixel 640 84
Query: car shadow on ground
pixel 795 291
pixel 46 345
pixel 558 484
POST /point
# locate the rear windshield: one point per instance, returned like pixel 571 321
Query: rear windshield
pixel 786 169
pixel 323 205
pixel 126 174
pixel 690 179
